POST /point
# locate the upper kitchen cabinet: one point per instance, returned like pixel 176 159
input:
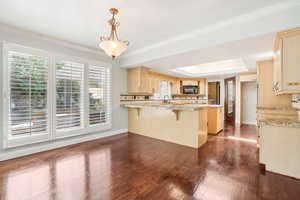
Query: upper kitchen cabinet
pixel 175 84
pixel 202 86
pixel 139 81
pixel 286 74
pixel 156 79
pixel 265 96
pixel 142 80
pixel 190 82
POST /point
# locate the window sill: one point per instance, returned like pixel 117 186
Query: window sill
pixel 24 141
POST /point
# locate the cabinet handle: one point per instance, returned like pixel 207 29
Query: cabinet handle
pixel 293 83
pixel 275 87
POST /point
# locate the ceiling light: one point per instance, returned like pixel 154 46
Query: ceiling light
pixel 111 45
pixel 213 68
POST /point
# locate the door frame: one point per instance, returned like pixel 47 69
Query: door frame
pixel 218 91
pixel 230 119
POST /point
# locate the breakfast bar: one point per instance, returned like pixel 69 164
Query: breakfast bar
pixel 181 124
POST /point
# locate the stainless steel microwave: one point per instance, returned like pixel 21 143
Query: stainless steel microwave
pixel 190 89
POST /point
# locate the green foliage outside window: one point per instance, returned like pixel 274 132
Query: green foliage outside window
pixel 30 75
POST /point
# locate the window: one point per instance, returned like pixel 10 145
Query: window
pixel 99 95
pixel 69 95
pixel 28 77
pixel 46 98
pixel 165 89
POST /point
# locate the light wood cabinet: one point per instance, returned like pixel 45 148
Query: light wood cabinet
pixel 202 86
pixel 215 119
pixel 279 149
pixel 139 81
pixel 175 87
pixel 155 84
pixel 190 82
pixel 286 78
pixel 156 78
pixel 279 105
pixel 265 95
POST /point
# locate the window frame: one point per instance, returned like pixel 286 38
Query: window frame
pixel 86 128
pixel 52 134
pixel 72 131
pixel 107 125
pixel 107 95
pixel 22 140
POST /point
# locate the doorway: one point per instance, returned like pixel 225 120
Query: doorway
pixel 214 92
pixel 248 102
pixel 230 94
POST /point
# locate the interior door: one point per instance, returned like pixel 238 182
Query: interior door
pixel 230 90
pixel 249 101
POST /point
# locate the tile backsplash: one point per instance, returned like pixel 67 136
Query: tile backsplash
pixel 130 99
pixel 296 103
pixel 296 100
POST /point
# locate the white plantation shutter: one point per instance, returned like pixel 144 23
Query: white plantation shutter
pixel 47 98
pixel 69 95
pixel 27 94
pixel 99 95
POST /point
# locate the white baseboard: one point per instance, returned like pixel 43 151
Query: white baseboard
pixel 27 150
pixel 250 123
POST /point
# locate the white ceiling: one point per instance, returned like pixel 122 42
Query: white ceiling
pixel 250 50
pixel 158 30
pixel 143 22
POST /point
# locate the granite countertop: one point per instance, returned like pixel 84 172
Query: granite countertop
pixel 185 107
pixel 280 123
pixel 277 108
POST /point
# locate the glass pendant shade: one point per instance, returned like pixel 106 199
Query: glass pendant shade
pixel 113 48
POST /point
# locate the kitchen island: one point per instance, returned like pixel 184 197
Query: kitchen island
pixel 181 124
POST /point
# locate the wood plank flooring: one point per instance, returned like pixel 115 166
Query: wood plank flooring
pixel 132 167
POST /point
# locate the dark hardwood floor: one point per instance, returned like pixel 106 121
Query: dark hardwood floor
pixel 131 167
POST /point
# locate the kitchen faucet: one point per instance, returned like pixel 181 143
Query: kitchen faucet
pixel 166 100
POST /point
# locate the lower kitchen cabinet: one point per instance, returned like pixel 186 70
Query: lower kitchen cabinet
pixel 215 120
pixel 279 148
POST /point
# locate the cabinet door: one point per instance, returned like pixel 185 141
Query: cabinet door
pixel 189 82
pixel 277 70
pixel 157 85
pixel 145 86
pixel 175 87
pixel 215 120
pixel 202 88
pixel 133 80
pixel 266 97
pixel 291 64
pixel 220 118
pixel 212 120
pixel 153 84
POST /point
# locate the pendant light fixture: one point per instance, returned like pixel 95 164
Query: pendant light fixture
pixel 111 45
